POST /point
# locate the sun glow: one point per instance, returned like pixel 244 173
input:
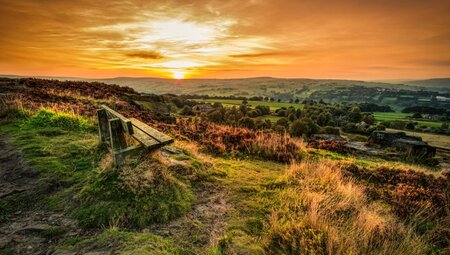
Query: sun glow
pixel 178 75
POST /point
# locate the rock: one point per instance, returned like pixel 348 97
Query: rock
pixel 411 145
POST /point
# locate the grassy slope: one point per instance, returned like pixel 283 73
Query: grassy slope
pixel 253 188
pixel 67 158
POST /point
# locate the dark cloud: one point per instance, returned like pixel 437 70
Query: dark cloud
pixel 145 55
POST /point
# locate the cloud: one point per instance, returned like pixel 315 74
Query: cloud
pixel 145 55
pixel 309 38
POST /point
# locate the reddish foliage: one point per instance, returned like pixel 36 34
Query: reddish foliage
pixel 407 191
pixel 222 140
pixel 95 90
pixel 339 146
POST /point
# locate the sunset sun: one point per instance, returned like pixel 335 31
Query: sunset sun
pixel 178 75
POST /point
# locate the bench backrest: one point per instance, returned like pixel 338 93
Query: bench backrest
pixel 126 123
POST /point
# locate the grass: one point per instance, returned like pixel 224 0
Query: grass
pixel 140 192
pixel 66 150
pixel 230 103
pixel 124 242
pixel 304 208
pixel 399 116
pixel 320 212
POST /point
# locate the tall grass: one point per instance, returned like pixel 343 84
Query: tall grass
pixel 321 212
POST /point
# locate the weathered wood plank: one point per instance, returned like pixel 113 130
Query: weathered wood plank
pixel 103 128
pixel 132 150
pixel 117 139
pixel 147 141
pixel 116 132
pixel 126 123
pixel 155 134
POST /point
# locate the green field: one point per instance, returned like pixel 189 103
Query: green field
pixel 399 116
pixel 231 102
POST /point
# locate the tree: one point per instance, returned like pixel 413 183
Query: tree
pixel 244 102
pixel 279 100
pixel 303 127
pixel 324 118
pixel 369 119
pixel 243 108
pixel 215 116
pixel 246 122
pixel 355 115
pixel 417 116
pixel 410 126
pixel 292 117
pixel 283 122
pixel 217 105
pixel 297 101
pixel 187 110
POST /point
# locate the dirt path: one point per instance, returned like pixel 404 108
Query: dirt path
pixel 27 227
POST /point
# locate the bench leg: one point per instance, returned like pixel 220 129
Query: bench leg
pixel 117 140
pixel 103 127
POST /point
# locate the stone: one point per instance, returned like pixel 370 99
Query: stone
pixel 411 145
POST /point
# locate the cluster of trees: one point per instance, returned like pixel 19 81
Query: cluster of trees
pixel 315 117
pixel 425 110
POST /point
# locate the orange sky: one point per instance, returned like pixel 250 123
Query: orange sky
pixel 351 39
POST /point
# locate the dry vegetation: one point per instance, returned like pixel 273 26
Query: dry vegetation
pixel 321 212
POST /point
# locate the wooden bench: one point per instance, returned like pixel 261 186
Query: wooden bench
pixel 113 126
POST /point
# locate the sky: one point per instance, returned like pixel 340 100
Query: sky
pixel 343 39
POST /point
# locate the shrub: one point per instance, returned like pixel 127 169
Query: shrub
pixel 247 122
pixel 187 110
pixel 330 130
pixel 304 126
pixel 235 141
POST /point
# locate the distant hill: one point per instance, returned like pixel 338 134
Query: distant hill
pixel 436 83
pixel 258 86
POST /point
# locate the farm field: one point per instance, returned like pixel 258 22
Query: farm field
pixel 230 102
pixel 399 116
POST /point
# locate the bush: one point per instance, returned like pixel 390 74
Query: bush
pixel 409 126
pixel 330 130
pixel 247 122
pixel 304 126
pixel 187 110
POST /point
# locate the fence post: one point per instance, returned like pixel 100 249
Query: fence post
pixel 117 140
pixel 103 129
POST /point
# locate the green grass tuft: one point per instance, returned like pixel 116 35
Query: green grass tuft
pixel 135 195
pixel 48 118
